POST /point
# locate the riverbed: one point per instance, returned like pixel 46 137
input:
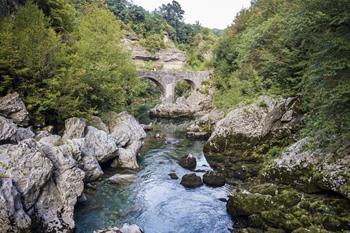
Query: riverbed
pixel 155 202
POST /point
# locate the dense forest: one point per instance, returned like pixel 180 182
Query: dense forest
pixel 291 48
pixel 65 58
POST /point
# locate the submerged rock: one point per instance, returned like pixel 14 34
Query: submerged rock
pixel 122 178
pixel 188 162
pixel 191 181
pixel 126 228
pixel 12 107
pixel 214 179
pixel 173 176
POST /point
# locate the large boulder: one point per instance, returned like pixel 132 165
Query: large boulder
pixel 7 130
pixel 13 217
pixel 214 179
pixel 28 167
pixel 188 162
pixel 12 107
pixel 191 181
pixel 129 136
pixel 231 146
pixel 74 128
pixel 100 145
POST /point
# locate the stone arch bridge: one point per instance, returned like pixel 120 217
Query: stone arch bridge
pixel 167 81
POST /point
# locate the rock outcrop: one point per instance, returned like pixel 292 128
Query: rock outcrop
pixel 311 170
pixel 231 146
pixel 194 105
pixel 42 176
pixel 169 58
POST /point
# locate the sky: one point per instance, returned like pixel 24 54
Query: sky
pixel 210 13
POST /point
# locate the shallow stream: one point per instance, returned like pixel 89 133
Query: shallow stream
pixel 155 202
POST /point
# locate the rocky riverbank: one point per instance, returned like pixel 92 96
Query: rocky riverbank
pixel 282 184
pixel 195 105
pixel 43 175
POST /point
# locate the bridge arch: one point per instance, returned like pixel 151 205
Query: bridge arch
pixel 167 81
pixel 155 81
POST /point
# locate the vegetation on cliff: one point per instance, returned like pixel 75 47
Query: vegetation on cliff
pixel 299 48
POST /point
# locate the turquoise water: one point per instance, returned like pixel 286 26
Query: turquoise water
pixel 155 202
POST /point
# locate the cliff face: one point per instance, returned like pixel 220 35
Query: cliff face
pixel 169 58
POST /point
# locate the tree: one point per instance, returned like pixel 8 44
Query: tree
pixel 172 12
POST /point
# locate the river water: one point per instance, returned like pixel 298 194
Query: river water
pixel 155 202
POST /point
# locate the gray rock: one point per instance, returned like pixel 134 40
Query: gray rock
pixel 24 133
pixel 53 140
pixel 97 122
pixel 129 135
pixel 28 167
pixel 55 207
pixel 183 107
pixel 100 145
pixel 125 129
pixel 13 217
pixel 234 138
pixel 91 167
pixel 203 126
pixel 122 178
pixel 12 107
pixel 44 132
pixel 191 181
pixel 126 228
pixel 74 128
pixel 214 179
pixel 7 130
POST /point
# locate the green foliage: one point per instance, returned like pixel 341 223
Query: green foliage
pixel 291 48
pixel 102 76
pixel 88 74
pixel 153 43
pixel 183 88
pixel 30 54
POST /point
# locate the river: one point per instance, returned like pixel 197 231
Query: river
pixel 155 202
